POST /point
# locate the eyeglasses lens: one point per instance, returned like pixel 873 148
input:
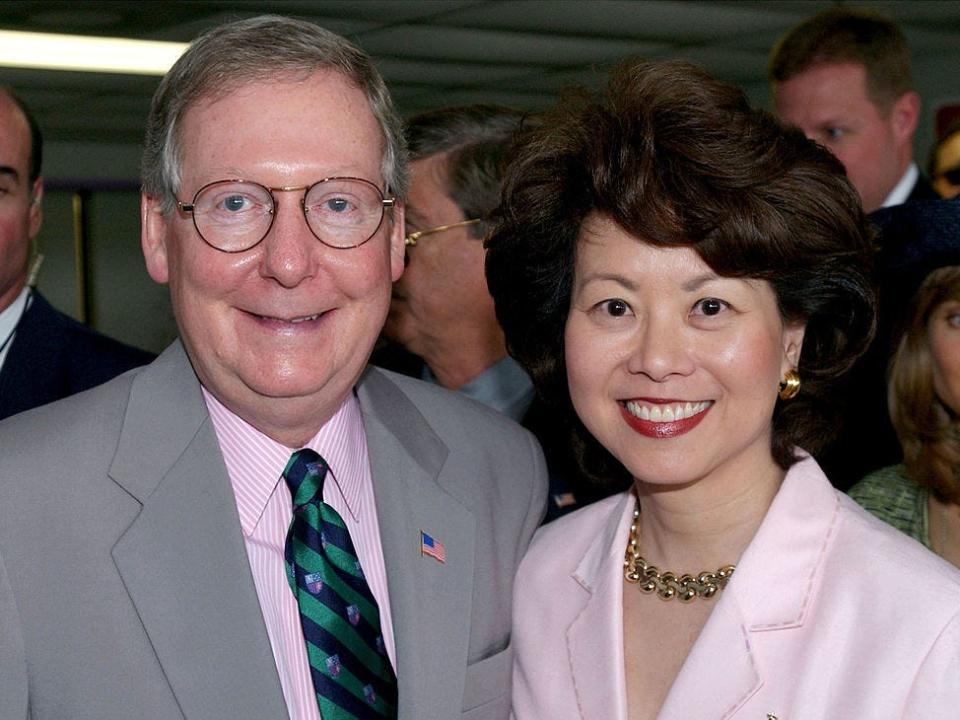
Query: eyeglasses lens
pixel 233 216
pixel 343 213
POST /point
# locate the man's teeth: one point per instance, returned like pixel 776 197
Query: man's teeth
pixel 666 413
pixel 305 319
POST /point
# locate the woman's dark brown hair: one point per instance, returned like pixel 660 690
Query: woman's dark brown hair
pixel 929 433
pixel 677 158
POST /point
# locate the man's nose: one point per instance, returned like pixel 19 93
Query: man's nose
pixel 291 252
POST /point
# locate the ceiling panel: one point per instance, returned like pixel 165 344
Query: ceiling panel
pixel 441 73
pixel 497 46
pixel 649 20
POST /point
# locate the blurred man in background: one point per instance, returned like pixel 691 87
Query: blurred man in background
pixel 441 311
pixel 843 77
pixel 44 354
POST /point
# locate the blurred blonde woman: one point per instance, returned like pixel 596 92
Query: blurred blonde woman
pixel 921 496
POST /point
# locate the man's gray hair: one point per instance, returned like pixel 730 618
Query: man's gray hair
pixel 478 140
pixel 258 49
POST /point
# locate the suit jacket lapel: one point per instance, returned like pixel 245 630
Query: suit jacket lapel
pixel 183 560
pixel 771 593
pixel 429 600
pixel 720 673
pixel 595 637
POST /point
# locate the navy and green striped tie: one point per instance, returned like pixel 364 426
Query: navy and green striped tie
pixel 351 672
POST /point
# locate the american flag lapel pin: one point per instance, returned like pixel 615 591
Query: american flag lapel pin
pixel 432 547
pixel 562 500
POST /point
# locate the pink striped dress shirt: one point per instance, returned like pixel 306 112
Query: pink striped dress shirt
pixel 255 464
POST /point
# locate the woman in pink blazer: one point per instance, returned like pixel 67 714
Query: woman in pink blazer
pixel 685 279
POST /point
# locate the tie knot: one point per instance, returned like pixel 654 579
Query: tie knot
pixel 304 475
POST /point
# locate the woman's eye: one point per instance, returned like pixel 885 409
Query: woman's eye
pixel 615 308
pixel 709 307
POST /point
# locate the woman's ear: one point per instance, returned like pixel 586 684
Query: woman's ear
pixel 792 345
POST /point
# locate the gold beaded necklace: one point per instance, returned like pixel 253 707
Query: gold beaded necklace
pixel 667 585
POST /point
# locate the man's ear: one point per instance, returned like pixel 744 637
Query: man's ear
pixel 398 248
pixel 153 238
pixel 905 115
pixel 36 208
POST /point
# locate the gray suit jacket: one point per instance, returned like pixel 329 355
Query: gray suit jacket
pixel 127 587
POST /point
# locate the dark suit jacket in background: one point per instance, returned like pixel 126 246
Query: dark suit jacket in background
pixel 53 356
pixel 128 587
pixel 914 238
pixel 922 190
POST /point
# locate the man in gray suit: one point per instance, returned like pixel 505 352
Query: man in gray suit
pixel 147 566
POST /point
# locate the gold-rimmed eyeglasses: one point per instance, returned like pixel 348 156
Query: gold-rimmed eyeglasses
pixel 236 215
pixel 411 239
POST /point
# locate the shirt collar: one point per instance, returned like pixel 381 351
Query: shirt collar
pixel 901 191
pixel 504 386
pixel 255 462
pixel 9 318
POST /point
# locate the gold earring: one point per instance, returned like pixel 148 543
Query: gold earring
pixel 790 385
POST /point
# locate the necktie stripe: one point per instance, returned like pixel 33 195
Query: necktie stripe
pixel 340 684
pixel 364 619
pixel 333 710
pixel 321 617
pixel 342 586
pixel 342 557
pixel 351 673
pixel 332 518
pixel 336 535
pixel 339 702
pixel 318 639
pixel 351 692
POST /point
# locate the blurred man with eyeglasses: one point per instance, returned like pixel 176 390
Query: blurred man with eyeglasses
pixel 441 310
pixel 44 354
pixel 441 313
pixel 257 525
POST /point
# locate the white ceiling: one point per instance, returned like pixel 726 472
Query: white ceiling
pixel 441 52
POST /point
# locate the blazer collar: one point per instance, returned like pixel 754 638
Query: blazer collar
pixel 430 601
pixel 776 575
pixel 182 560
pixel 771 591
pixel 164 414
pixel 595 637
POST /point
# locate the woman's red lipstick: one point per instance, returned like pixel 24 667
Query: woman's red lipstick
pixel 690 415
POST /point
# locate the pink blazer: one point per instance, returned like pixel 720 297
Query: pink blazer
pixel 831 614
